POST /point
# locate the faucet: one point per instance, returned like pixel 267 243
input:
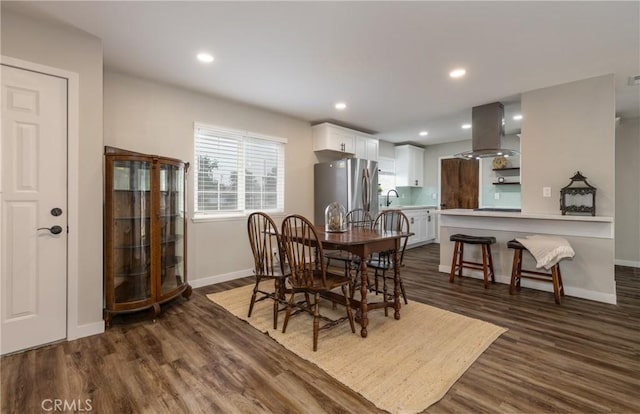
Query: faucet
pixel 388 203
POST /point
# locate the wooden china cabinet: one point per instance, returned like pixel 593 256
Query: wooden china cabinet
pixel 145 231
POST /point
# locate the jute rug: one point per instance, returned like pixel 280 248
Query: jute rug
pixel 402 366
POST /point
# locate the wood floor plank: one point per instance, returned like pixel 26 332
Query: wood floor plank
pixel 580 356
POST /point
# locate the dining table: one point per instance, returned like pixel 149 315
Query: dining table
pixel 362 242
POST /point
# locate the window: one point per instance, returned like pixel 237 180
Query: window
pixel 237 172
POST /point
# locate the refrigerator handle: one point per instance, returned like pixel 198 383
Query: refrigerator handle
pixel 366 190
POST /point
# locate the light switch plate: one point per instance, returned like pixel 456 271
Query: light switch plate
pixel 546 191
pixel 496 196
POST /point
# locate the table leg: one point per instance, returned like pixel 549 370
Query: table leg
pixel 396 284
pixel 364 278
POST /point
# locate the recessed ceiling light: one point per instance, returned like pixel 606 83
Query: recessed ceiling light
pixel 205 57
pixel 340 106
pixel 424 133
pixel 517 117
pixel 466 126
pixel 457 73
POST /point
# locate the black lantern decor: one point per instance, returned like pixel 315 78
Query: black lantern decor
pixel 579 197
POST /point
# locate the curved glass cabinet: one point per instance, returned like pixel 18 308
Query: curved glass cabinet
pixel 145 231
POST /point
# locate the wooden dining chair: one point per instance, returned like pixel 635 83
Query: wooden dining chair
pixel 355 218
pixel 389 220
pixel 309 274
pixel 268 262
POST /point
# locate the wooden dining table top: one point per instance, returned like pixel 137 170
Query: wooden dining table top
pixel 358 235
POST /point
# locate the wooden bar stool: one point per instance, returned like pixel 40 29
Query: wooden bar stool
pixel 459 263
pixel 518 273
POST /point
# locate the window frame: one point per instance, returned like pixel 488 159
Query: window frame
pixel 244 137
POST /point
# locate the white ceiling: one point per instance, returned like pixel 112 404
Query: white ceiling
pixel 389 61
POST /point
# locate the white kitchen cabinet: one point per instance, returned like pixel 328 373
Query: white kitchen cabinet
pixel 422 224
pixel 409 166
pixel 334 138
pixel 366 147
pixel 431 225
pixel 329 137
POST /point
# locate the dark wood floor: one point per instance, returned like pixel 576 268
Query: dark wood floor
pixel 581 356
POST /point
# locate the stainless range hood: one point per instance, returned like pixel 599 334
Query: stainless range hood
pixel 487 123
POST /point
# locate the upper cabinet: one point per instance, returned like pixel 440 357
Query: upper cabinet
pixel 366 147
pixel 409 166
pixel 334 138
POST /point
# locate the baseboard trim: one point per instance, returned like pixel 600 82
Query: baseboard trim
pixel 225 277
pixel 85 330
pixel 547 287
pixel 628 263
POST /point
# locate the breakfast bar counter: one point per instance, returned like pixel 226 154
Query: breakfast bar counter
pixel 589 275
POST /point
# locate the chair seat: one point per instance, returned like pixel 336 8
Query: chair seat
pixel 472 239
pixel 333 280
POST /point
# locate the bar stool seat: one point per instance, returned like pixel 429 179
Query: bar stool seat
pixel 459 263
pixel 518 273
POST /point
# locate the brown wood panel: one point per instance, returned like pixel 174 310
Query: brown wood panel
pixel 459 181
pixel 581 356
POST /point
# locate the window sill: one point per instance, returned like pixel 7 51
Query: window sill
pixel 231 217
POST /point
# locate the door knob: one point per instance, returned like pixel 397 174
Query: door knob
pixel 52 230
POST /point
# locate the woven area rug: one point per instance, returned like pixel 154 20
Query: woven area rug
pixel 402 366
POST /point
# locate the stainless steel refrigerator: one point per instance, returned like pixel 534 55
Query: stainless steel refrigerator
pixel 352 182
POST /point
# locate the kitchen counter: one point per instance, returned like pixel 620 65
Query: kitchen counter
pixel 511 214
pixel 589 275
pixel 400 207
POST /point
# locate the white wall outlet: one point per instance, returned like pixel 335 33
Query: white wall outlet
pixel 546 191
pixel 496 196
pixel 434 196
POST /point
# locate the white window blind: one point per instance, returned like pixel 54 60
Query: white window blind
pixel 237 172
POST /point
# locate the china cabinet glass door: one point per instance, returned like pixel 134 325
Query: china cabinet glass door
pixel 131 206
pixel 172 226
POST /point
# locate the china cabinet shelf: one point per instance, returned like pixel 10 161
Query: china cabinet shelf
pixel 145 231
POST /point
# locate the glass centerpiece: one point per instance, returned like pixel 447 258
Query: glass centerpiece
pixel 335 218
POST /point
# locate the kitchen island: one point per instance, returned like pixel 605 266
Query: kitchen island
pixel 589 275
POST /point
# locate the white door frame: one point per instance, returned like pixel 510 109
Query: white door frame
pixel 74 330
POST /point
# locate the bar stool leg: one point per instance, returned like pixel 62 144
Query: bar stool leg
pixel 519 279
pixel 484 266
pixel 454 262
pixel 461 259
pixel 560 281
pixel 493 276
pixel 556 287
pixel 514 272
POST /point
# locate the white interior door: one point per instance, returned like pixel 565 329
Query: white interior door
pixel 34 233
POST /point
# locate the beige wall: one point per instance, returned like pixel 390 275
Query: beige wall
pixel 432 155
pixel 568 128
pixel 628 192
pixel 150 117
pixel 66 48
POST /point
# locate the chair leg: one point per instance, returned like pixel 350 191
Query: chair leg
pixel 345 292
pixel 454 262
pixel 316 320
pixel 253 296
pixel 384 291
pixel 276 298
pixel 404 295
pixel 484 266
pixel 288 314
